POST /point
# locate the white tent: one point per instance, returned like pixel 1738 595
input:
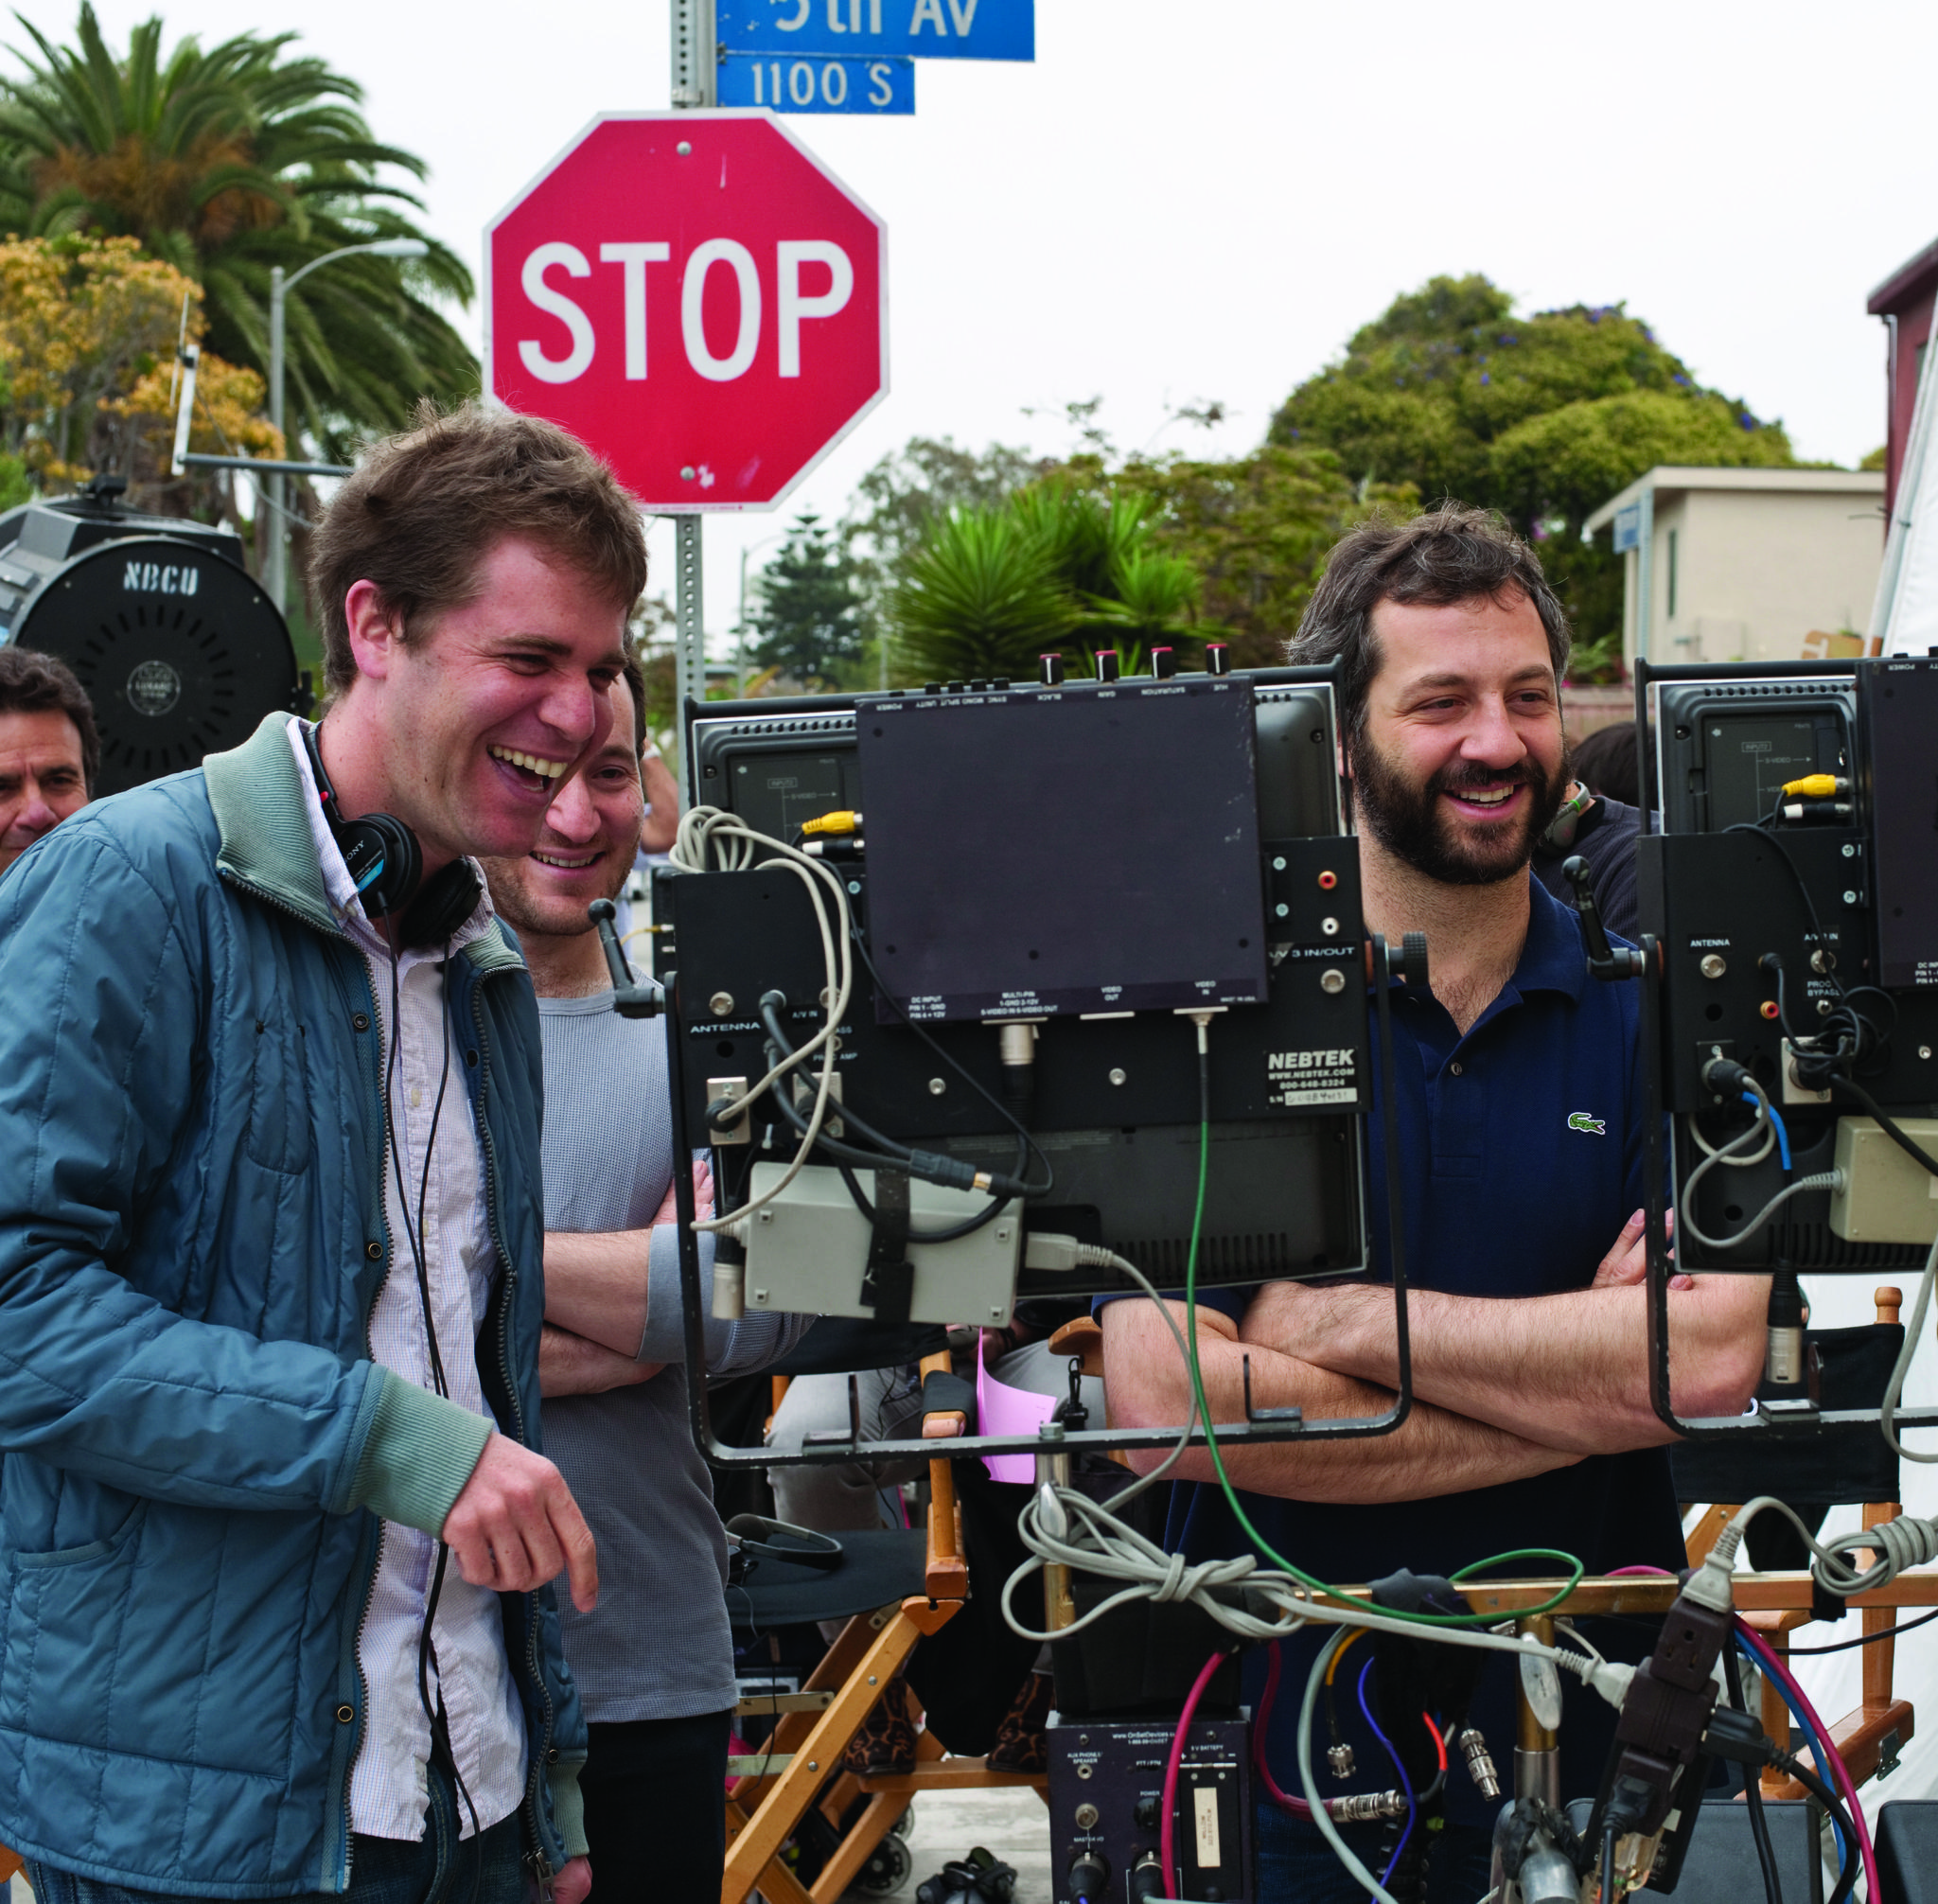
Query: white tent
pixel 1906 614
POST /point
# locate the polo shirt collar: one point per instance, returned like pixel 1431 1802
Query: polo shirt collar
pixel 1553 959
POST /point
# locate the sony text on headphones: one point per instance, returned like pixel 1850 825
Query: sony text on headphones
pixel 386 866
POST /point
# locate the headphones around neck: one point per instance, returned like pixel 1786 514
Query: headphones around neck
pixel 386 866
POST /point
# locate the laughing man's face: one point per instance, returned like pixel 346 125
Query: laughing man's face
pixel 587 844
pixel 1462 762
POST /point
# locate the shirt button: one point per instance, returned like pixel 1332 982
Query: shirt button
pixel 374 1251
pixel 1454 1067
pixel 360 1022
pixel 416 1097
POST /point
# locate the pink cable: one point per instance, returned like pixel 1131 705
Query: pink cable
pixel 1778 1671
pixel 1166 1841
pixel 1296 1807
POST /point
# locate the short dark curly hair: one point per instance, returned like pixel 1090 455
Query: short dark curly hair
pixel 31 683
pixel 1450 554
pixel 423 509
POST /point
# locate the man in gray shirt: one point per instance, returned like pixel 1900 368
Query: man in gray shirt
pixel 655 1661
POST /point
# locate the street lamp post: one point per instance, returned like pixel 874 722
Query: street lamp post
pixel 741 658
pixel 276 557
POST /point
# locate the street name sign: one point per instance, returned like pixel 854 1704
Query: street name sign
pixel 697 297
pixel 789 83
pixel 921 29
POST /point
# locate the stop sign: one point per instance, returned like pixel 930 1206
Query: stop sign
pixel 697 297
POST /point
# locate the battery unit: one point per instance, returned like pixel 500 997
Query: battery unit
pixel 1106 1787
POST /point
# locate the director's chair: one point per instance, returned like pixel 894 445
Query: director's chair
pixel 893 1588
pixel 1870 1738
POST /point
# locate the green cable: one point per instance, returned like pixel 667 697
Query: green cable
pixel 1575 1568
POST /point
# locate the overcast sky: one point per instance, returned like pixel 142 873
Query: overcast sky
pixel 1185 200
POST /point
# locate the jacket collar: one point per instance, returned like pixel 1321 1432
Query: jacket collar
pixel 259 803
pixel 257 799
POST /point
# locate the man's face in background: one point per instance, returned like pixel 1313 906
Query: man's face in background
pixel 42 777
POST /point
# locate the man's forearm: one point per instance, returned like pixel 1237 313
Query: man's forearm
pixel 1433 1452
pixel 569 1365
pixel 595 1285
pixel 1570 1371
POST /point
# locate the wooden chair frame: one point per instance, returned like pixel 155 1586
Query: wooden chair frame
pixel 859 1669
pixel 1870 1738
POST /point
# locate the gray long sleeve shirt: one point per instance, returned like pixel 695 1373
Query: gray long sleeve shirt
pixel 658 1645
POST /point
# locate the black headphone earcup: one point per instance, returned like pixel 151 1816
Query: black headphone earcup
pixel 444 905
pixel 383 841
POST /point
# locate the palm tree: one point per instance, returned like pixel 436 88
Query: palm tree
pixel 989 589
pixel 227 162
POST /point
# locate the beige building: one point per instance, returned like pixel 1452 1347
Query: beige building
pixel 1742 565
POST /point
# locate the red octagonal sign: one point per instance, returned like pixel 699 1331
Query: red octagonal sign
pixel 697 297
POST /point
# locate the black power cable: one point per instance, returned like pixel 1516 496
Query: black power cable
pixel 1870 1639
pixel 975 1083
pixel 1752 1790
pixel 847 1159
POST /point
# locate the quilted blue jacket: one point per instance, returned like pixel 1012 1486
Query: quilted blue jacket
pixel 198 1448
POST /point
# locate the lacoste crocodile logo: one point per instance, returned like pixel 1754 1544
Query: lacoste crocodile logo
pixel 1580 1120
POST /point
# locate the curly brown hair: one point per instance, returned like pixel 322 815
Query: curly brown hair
pixel 423 509
pixel 1446 555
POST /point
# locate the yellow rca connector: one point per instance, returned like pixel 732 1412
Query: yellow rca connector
pixel 829 823
pixel 1816 786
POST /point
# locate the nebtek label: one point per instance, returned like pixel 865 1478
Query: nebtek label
pixel 1316 1077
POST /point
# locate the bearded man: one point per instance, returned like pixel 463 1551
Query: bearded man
pixel 1518 1108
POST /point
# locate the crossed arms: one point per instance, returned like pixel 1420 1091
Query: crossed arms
pixel 1504 1387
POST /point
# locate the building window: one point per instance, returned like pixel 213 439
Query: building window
pixel 1672 575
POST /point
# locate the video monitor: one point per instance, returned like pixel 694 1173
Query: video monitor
pixel 1173 844
pixel 1091 847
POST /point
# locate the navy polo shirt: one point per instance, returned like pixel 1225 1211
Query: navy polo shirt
pixel 1519 1160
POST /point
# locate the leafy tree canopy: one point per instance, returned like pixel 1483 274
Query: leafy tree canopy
pixel 1543 417
pixel 1254 532
pixel 809 620
pixel 907 493
pixel 224 164
pixel 88 329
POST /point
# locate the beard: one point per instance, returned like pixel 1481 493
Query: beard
pixel 1407 818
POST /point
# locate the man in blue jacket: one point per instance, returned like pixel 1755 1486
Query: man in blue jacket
pixel 275 1535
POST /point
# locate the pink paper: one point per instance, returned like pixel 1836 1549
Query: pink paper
pixel 1003 1410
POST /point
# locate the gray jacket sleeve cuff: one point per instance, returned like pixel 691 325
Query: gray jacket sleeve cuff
pixel 664 1338
pixel 418 1455
pixel 569 1806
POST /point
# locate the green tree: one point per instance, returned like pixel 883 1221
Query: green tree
pixel 809 619
pixel 1543 417
pixel 1254 532
pixel 905 496
pixel 1063 562
pixel 225 162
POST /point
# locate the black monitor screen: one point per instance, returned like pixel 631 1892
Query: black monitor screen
pixel 1046 851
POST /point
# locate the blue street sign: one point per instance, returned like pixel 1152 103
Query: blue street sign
pixel 921 29
pixel 789 83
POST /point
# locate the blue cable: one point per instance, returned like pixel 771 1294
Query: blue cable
pixel 1405 1783
pixel 1809 1732
pixel 1782 1137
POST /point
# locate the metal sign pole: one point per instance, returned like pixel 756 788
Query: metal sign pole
pixel 694 85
